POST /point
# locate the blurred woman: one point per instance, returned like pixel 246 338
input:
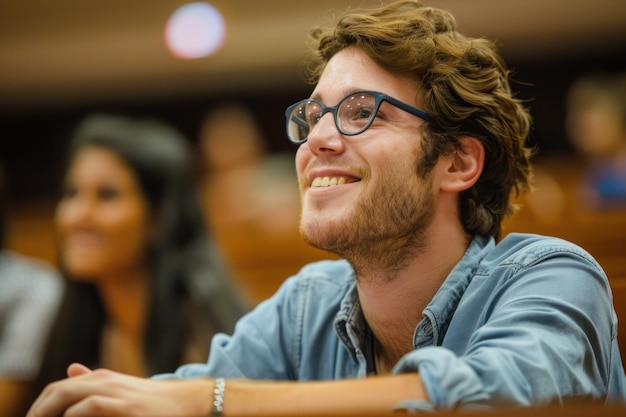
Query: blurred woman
pixel 146 287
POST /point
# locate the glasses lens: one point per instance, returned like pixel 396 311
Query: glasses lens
pixel 302 118
pixel 356 113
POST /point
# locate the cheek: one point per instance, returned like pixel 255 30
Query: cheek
pixel 125 244
pixel 62 220
pixel 391 162
pixel 129 232
pixel 393 172
pixel 303 156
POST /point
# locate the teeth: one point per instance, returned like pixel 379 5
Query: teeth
pixel 328 181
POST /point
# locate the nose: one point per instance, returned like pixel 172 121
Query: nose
pixel 325 138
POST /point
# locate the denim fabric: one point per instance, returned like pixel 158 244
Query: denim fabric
pixel 528 321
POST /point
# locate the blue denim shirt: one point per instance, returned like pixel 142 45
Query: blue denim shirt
pixel 526 322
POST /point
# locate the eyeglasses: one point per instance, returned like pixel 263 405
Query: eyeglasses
pixel 353 115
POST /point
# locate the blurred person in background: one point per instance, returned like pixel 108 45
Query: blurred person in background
pixel 583 187
pixel 146 286
pixel 596 126
pixel 244 186
pixel 251 199
pixel 30 291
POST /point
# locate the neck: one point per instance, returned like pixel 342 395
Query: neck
pixel 393 303
pixel 125 300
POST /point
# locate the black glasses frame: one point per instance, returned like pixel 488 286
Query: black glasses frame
pixel 378 99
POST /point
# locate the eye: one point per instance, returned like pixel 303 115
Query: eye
pixel 358 109
pixel 68 192
pixel 108 193
pixel 313 113
pixel 364 113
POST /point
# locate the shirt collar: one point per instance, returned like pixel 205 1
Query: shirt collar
pixel 353 332
pixel 438 313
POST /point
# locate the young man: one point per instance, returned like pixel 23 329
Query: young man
pixel 409 148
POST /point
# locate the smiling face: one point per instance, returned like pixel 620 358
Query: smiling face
pixel 361 195
pixel 102 219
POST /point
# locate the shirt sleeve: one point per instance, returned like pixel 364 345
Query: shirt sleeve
pixel 546 333
pixel 259 347
pixel 31 295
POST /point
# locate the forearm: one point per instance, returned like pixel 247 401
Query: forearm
pixel 351 396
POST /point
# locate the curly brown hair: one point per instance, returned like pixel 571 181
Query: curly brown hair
pixel 463 83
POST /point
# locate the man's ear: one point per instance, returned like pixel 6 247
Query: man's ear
pixel 464 165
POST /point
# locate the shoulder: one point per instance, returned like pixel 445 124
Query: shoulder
pixel 333 270
pixel 13 261
pixel 322 281
pixel 527 249
pixel 23 274
pixel 328 274
pixel 540 255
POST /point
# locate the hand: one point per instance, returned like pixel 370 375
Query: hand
pixel 76 369
pixel 103 393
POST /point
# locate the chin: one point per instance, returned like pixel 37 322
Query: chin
pixel 315 234
pixel 82 271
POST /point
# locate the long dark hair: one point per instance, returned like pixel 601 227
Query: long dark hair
pixel 190 289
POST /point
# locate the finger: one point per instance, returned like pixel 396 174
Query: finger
pixel 61 395
pixel 76 369
pixel 54 399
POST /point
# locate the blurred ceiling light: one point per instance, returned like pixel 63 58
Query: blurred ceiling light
pixel 195 30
